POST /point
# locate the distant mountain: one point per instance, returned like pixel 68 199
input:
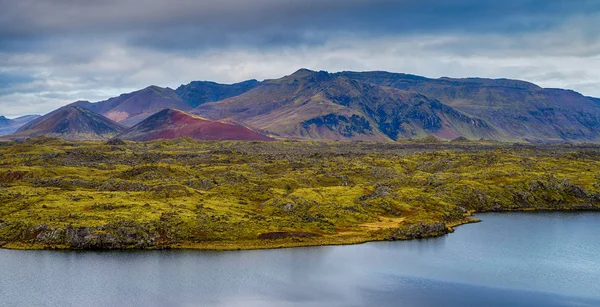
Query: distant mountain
pixel 130 109
pixel 323 106
pixel 519 110
pixel 199 92
pixel 70 123
pixel 170 123
pixel 371 106
pixel 8 126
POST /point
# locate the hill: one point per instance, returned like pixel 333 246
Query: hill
pixel 170 123
pixel 70 123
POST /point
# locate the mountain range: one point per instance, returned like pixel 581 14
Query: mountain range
pixel 323 106
pixel 317 105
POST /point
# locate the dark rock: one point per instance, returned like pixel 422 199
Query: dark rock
pixel 116 142
pixel 420 230
pixel 460 139
pixel 343 125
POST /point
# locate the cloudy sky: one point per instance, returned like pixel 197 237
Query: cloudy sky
pixel 53 52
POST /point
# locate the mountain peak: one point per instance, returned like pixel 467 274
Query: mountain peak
pixel 302 73
pixel 79 102
pixel 165 92
pixel 155 88
pixel 303 70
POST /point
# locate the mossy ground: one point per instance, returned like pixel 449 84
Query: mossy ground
pixel 225 195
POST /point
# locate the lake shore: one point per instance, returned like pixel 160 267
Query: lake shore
pixel 335 240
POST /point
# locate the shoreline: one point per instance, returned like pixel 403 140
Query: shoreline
pixel 248 245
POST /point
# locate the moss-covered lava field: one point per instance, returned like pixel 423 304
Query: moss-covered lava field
pixel 240 195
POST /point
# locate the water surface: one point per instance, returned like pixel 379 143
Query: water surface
pixel 510 259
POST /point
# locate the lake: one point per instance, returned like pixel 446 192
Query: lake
pixel 510 259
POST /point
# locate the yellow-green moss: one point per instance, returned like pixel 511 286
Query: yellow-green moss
pixel 223 195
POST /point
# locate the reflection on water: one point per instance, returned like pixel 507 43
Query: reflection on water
pixel 521 259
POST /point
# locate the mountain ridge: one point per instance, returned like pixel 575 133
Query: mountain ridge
pixel 373 106
pixel 319 105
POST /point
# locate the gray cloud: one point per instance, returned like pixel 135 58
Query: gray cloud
pixel 185 24
pixel 55 51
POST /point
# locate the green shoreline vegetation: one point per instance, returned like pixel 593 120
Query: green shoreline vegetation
pixel 231 195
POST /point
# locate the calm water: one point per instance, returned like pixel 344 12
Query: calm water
pixel 542 259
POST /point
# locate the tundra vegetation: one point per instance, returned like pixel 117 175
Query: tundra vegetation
pixel 238 195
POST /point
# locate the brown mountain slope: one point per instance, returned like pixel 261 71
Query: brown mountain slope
pixel 520 110
pixel 70 123
pixel 130 109
pixel 170 124
pixel 319 105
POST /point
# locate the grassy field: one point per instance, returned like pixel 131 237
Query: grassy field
pixel 241 195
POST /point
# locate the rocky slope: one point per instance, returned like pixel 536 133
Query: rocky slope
pixel 70 123
pixel 170 124
pixel 323 106
pixel 518 109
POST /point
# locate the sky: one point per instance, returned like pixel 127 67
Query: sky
pixel 53 52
